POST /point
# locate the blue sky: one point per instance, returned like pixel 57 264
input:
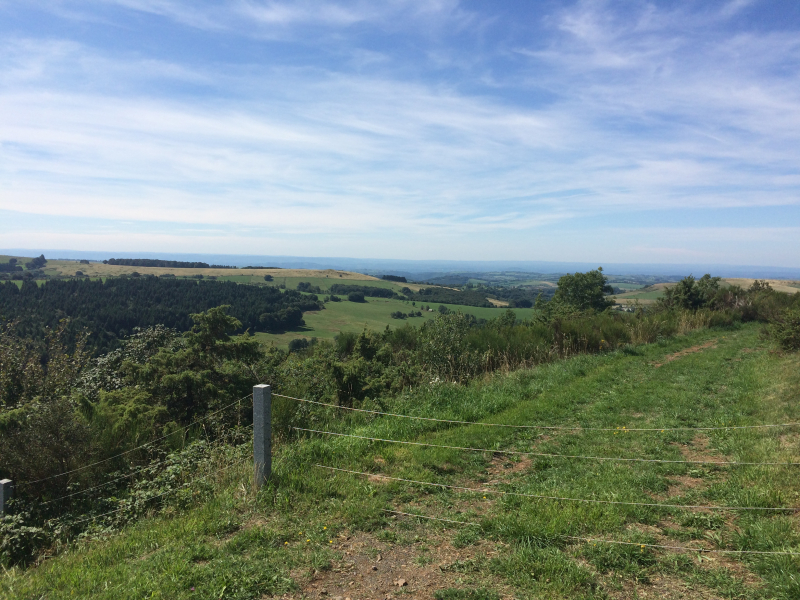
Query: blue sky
pixel 618 131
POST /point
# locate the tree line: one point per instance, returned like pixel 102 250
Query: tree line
pixel 154 262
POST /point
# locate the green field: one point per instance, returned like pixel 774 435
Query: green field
pixel 626 286
pixel 323 283
pixel 373 314
pixel 645 294
pixel 654 295
pixel 316 533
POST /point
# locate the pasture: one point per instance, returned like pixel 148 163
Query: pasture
pixel 96 269
pixel 373 314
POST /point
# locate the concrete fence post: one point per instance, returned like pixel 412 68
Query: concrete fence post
pixel 6 491
pixel 262 433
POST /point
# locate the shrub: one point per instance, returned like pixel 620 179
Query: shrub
pixel 445 348
pixel 724 318
pixel 19 543
pixel 645 330
pixel 298 344
pixel 356 297
pixel 305 286
pixel 786 329
pixel 689 321
pixel 690 293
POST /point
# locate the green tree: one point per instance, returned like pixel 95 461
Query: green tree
pixel 583 291
pixel 690 293
pixel 207 369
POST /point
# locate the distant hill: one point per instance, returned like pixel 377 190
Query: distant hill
pixel 426 269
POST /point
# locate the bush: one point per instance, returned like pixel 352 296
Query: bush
pixel 298 344
pixel 19 543
pixel 786 329
pixel 356 297
pixel 305 286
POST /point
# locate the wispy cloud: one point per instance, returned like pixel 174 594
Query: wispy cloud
pixel 385 132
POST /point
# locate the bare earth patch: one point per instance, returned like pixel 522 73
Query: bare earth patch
pixel 685 351
pixel 698 450
pixel 370 568
pixel 661 587
pixel 503 465
pixel 497 302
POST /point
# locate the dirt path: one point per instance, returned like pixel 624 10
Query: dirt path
pixel 685 351
pixel 417 566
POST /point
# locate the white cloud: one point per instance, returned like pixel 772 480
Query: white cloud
pixel 648 109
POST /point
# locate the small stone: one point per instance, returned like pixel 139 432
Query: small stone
pixel 374 568
pixel 401 582
pixel 380 558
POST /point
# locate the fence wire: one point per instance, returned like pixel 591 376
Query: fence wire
pixel 550 455
pixel 557 498
pixel 148 444
pixel 549 427
pixel 616 542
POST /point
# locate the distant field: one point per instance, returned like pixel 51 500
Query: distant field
pixel 536 283
pixel 649 295
pixel 779 285
pixel 95 269
pixel 644 294
pixel 626 286
pixel 373 314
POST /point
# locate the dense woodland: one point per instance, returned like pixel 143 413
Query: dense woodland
pixel 63 410
pixel 370 291
pixel 154 262
pixel 112 309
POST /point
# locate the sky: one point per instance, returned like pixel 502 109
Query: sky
pixel 624 131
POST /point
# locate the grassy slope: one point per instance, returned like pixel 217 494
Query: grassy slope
pixel 373 314
pixel 95 269
pixel 312 527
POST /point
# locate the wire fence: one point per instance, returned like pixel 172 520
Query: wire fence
pixel 614 542
pixel 464 489
pixel 548 427
pixel 484 490
pixel 147 467
pixel 150 498
pixel 146 445
pixel 551 455
pixel 590 540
